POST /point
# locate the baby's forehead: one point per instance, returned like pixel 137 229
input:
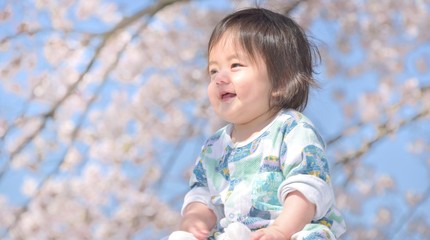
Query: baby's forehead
pixel 232 41
pixel 228 39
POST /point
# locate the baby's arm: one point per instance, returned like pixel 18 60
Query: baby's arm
pixel 297 212
pixel 198 219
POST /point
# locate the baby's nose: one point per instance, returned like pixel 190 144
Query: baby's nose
pixel 222 77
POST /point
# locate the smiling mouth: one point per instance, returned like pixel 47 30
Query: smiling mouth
pixel 227 96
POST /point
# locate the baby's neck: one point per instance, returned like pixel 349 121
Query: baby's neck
pixel 244 131
pixel 242 136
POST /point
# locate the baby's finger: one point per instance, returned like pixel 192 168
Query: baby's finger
pixel 201 235
pixel 257 235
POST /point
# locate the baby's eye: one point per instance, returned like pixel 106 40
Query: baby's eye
pixel 235 65
pixel 212 71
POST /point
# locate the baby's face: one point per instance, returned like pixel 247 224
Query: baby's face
pixel 239 85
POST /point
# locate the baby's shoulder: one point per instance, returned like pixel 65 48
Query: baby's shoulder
pixel 297 121
pixel 216 136
pixel 291 118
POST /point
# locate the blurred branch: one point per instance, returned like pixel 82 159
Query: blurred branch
pixel 168 166
pixel 24 143
pixel 382 131
pixel 74 135
pixel 150 11
pixel 408 216
pixel 355 127
pixel 345 133
pixel 180 145
pixel 291 6
pixel 21 115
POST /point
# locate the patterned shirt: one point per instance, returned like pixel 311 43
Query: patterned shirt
pixel 247 182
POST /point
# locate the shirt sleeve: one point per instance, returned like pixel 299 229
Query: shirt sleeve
pixel 199 191
pixel 305 168
pixel 197 194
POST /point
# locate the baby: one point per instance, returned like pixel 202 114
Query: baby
pixel 265 175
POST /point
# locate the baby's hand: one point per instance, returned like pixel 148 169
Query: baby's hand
pixel 269 233
pixel 200 234
pixel 197 228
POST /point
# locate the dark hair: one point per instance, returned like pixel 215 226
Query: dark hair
pixel 284 47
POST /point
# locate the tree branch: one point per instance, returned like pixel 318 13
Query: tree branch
pixel 151 11
pixel 290 7
pixel 382 132
pixel 353 128
pixel 408 216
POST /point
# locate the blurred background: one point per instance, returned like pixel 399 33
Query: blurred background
pixel 103 110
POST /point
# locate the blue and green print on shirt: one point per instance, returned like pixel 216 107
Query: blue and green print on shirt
pixel 247 181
